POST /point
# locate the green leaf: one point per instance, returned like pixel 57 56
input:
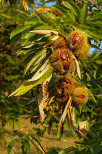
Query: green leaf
pixel 72 16
pixel 12 124
pixel 99 62
pixel 60 9
pixel 100 95
pixel 67 122
pixel 94 33
pixel 26 86
pixel 53 81
pixel 84 13
pixel 86 108
pixel 18 123
pixel 53 125
pixel 11 144
pixel 10 59
pixel 23 15
pixel 72 6
pixel 57 117
pixel 96 23
pixel 68 150
pixel 59 134
pixel 12 16
pixel 11 2
pixel 18 30
pixel 95 46
pixel 52 16
pixel 91 131
pixel 40 71
pixel 45 18
pixel 38 62
pixel 53 151
pixel 97 17
pixel 32 20
pixel 97 149
pixel 26 143
pixel 48 119
pixel 39 26
pixel 31 1
pixel 15 38
pixel 34 59
pixel 80 108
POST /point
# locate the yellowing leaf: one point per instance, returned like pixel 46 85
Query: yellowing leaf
pixel 24 4
pixel 45 104
pixel 44 32
pixel 64 114
pixel 26 86
pixel 43 98
pixel 48 102
pixel 41 101
pixel 78 68
pixel 42 9
pixel 45 86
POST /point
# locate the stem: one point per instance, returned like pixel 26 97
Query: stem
pixel 36 144
pixel 90 2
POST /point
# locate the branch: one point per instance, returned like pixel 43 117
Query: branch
pixel 36 144
pixel 90 2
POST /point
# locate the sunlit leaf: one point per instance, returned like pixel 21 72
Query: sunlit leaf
pixel 44 17
pixel 11 144
pixel 40 72
pixel 24 4
pixel 12 16
pixel 84 13
pixel 44 32
pixel 36 57
pixel 19 30
pixel 26 86
pixel 47 119
pixel 72 6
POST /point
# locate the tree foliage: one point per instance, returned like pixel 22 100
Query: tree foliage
pixel 11 71
pixel 36 36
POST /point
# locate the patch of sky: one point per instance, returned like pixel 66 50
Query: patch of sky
pixel 93 49
pixel 94 8
pixel 50 3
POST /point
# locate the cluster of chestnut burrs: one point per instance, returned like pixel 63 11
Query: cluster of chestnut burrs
pixel 66 52
pixel 67 49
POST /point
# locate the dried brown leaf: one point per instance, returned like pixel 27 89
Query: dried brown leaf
pixel 77 65
pixel 64 113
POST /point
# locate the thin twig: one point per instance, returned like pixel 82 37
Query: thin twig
pixel 90 2
pixel 70 29
pixel 25 98
pixel 36 144
pixel 30 117
pixel 59 34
